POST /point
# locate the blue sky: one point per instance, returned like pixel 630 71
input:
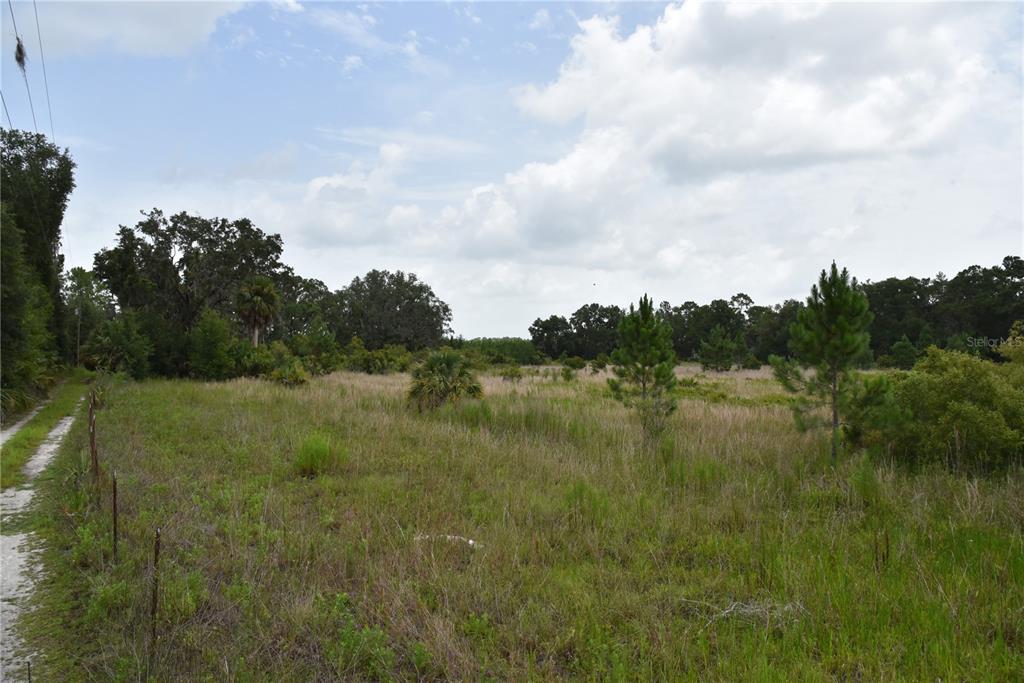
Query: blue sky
pixel 528 158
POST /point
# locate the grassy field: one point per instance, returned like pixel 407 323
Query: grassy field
pixel 20 447
pixel 730 552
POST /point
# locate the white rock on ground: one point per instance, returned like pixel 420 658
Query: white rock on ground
pixel 15 556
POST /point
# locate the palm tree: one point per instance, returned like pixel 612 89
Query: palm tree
pixel 258 303
pixel 445 377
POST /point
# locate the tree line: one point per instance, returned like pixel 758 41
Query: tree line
pixel 969 312
pixel 36 180
pixel 186 295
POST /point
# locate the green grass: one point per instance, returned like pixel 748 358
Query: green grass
pixel 729 552
pixel 316 456
pixel 20 447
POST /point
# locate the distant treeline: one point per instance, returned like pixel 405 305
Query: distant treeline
pixel 184 295
pixel 970 312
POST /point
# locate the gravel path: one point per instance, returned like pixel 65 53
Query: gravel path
pixel 13 429
pixel 16 575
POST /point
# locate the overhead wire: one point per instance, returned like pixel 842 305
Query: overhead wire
pixel 42 61
pixel 10 124
pixel 20 57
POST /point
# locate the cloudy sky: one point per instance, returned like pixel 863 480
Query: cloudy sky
pixel 526 159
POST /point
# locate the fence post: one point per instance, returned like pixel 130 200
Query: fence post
pixel 153 597
pixel 114 511
pixel 92 438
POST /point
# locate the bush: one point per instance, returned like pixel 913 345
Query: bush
pixel 290 373
pixel 511 373
pixel 1012 349
pixel 599 363
pixel 952 408
pixel 501 350
pixel 118 345
pixel 568 374
pixel 315 456
pixel 287 369
pixel 444 377
pixel 750 362
pixel 718 351
pixel 253 361
pixel 210 352
pixel 903 354
pixel 391 358
pixel 574 362
pixel 317 348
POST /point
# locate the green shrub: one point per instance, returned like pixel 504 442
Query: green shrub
pixel 119 345
pixel 717 352
pixel 574 362
pixel 568 374
pixel 1012 349
pixel 511 373
pixel 750 362
pixel 290 373
pixel 356 653
pixel 903 354
pixel 315 456
pixel 501 350
pixel 391 358
pixel 317 347
pixel 253 361
pixel 210 342
pixel 444 377
pixel 952 408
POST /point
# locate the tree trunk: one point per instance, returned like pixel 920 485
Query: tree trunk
pixel 835 416
pixel 255 335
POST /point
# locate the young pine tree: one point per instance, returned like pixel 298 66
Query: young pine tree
pixel 643 365
pixel 830 334
pixel 717 352
pixel 904 354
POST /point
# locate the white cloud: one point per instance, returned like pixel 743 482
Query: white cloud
pixel 359 181
pixel 416 143
pixel 351 63
pixel 289 5
pixel 705 90
pixel 135 28
pixel 726 150
pixel 722 148
pixel 541 21
pixel 358 30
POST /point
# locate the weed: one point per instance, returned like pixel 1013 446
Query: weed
pixel 315 456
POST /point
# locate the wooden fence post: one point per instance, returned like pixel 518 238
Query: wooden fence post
pixel 92 438
pixel 153 597
pixel 114 512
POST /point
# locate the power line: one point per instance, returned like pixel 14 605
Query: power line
pixel 21 63
pixel 10 124
pixel 42 60
pixel 12 17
